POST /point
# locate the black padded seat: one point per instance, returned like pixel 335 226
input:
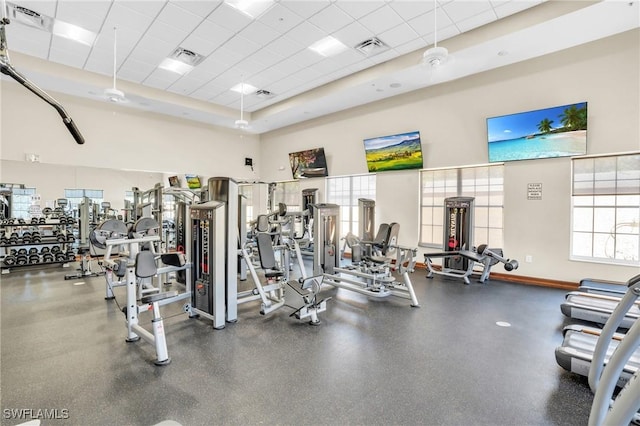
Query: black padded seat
pixel 267 256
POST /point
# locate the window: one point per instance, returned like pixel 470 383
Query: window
pixel 21 202
pixel 345 192
pixel 288 193
pixel 484 183
pixel 75 196
pixel 606 209
pixel 247 191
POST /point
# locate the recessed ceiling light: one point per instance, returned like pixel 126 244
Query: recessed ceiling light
pixel 251 8
pixel 73 32
pixel 328 46
pixel 395 85
pixel 244 88
pixel 175 66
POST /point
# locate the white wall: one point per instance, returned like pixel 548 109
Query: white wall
pixel 120 138
pixel 452 121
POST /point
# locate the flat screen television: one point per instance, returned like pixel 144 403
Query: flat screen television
pixel 193 181
pixel 308 164
pixel 394 152
pixel 559 131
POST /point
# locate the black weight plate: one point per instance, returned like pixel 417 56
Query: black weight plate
pixel 55 249
pixel 47 257
pixel 33 250
pixel 61 257
pixel 22 251
pixel 22 260
pixel 34 258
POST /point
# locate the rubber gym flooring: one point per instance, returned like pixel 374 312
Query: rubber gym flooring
pixel 370 362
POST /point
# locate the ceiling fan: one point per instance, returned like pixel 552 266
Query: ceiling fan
pixel 112 94
pixel 242 124
pixel 436 55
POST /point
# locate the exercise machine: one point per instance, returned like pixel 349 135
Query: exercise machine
pixel 371 275
pixel 596 307
pixel 603 374
pixel 483 256
pixel 7 69
pixel 137 264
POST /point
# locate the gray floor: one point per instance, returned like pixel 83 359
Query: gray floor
pixel 370 362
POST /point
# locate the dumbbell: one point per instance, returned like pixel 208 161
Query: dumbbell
pixel 22 260
pixel 47 257
pixel 61 257
pixel 21 221
pixel 22 252
pixel 13 252
pixel 35 237
pixel 4 240
pixel 44 250
pixel 42 221
pixel 11 221
pixel 62 219
pixel 70 221
pixel 26 237
pixel 33 250
pixel 34 220
pixel 10 260
pixel 46 211
pixel 33 259
pixel 61 238
pixel 13 239
pixel 56 249
pixel 71 238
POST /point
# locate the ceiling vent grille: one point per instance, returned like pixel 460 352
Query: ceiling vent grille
pixel 186 56
pixel 29 17
pixel 371 47
pixel 264 94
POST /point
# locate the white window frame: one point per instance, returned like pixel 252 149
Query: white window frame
pixel 21 201
pixel 74 196
pixel 605 209
pixel 289 193
pixel 345 192
pixel 485 183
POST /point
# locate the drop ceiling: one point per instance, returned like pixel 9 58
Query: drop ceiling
pixel 270 50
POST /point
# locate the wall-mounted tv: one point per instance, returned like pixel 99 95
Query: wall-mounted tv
pixel 308 164
pixel 193 181
pixel 394 152
pixel 545 133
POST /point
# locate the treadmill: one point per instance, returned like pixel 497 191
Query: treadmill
pixel 609 288
pixel 577 349
pixel 597 308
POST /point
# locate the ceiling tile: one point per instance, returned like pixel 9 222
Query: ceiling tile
pixel 259 33
pixel 285 85
pixel 306 8
pixel 306 58
pixel 411 9
pixel 325 66
pixel 229 18
pixel 398 35
pixel 359 8
pixel 186 85
pixel 306 34
pixel 241 46
pixel 199 45
pixel 331 19
pixel 177 17
pixel 353 34
pixel 100 64
pixel 198 7
pixel 411 46
pixel 476 21
pixel 144 7
pixel 306 74
pixel 82 13
pixel 280 18
pixel 27 40
pixel 513 6
pixel 152 50
pixel 381 20
pixel 135 71
pixel 123 17
pixel 286 46
pixel 161 79
pixel 460 10
pixel 424 24
pixel 266 57
pixel 166 33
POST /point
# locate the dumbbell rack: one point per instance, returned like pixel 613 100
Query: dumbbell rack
pixel 40 242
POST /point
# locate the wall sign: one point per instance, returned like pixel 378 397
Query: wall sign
pixel 534 191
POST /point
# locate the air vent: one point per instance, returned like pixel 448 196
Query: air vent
pixel 186 56
pixel 29 17
pixel 372 46
pixel 264 94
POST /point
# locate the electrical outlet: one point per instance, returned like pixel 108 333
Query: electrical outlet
pixel 528 258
